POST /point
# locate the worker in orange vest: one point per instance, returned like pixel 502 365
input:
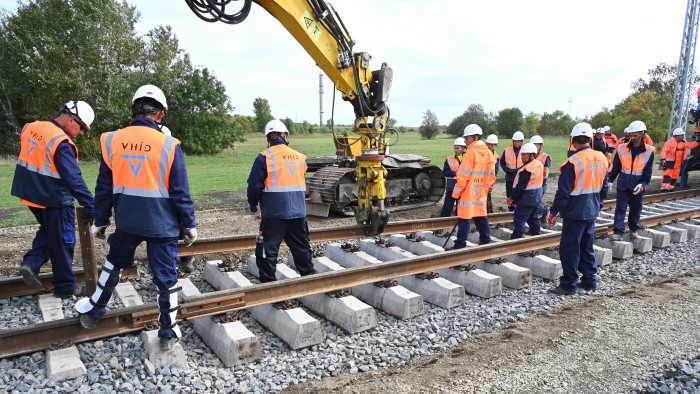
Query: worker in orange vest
pixel 579 199
pixel 143 176
pixel 48 180
pixel 527 193
pixel 546 161
pixel 610 142
pixel 511 162
pixel 673 156
pixel 475 177
pixel 449 170
pixel 492 143
pixel 633 163
pixel 277 181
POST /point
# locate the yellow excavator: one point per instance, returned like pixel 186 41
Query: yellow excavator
pixel 320 31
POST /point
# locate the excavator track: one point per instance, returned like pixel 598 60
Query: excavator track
pixel 408 185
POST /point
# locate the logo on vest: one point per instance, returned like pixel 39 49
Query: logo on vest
pixel 136 168
pixel 33 143
pixel 292 167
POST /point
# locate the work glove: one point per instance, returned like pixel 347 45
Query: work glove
pixel 98 231
pixel 88 217
pixel 490 188
pixel 662 163
pixel 550 219
pixel 509 201
pixel 189 236
pixel 638 189
pixel 253 208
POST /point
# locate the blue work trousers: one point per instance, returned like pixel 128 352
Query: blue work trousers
pixel 295 233
pixel 509 191
pixel 55 240
pixel 449 205
pixel 576 254
pixel 463 227
pixel 543 210
pixel 524 214
pixel 624 198
pixel 161 254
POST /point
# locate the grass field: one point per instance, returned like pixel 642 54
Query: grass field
pixel 229 171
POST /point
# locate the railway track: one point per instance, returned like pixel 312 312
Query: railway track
pixel 660 210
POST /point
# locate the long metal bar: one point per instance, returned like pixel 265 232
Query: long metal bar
pixel 40 336
pixel 243 242
pixel 87 250
pixel 14 286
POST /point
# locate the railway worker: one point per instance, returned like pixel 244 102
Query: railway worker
pixel 633 163
pixel 277 182
pixel 579 199
pixel 511 162
pixel 475 176
pixel 492 143
pixel 449 170
pixel 610 142
pixel 143 176
pixel 673 156
pixel 48 180
pixel 599 143
pixel 570 152
pixel 546 161
pixel 527 193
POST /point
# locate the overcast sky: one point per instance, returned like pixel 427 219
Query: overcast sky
pixel 535 55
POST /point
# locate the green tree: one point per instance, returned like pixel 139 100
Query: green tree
pixel 531 123
pixel 474 114
pixel 509 120
pixel 263 113
pixel 652 109
pixel 430 126
pixel 391 123
pixel 602 118
pixel 555 123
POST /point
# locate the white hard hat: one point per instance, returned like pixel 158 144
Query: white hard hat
pixel 529 148
pixel 678 131
pixel 599 130
pixel 492 139
pixel 166 130
pixel 583 129
pixel 275 126
pixel 83 110
pixel 635 126
pixel 460 141
pixel 472 129
pixel 627 130
pixel 151 91
pixel 606 128
pixel 536 139
pixel 518 136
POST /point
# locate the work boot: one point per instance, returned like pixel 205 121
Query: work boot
pixel 584 287
pixel 186 264
pixel 29 276
pixel 87 321
pixel 168 343
pixel 633 235
pixel 79 291
pixel 559 291
pixel 616 237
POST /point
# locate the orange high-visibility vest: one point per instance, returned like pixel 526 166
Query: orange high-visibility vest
pixel 513 161
pixel 674 151
pixel 39 141
pixel 542 158
pixel 625 155
pixel 453 162
pixel 475 176
pixel 140 158
pixel 536 169
pixel 286 169
pixel 610 140
pixel 590 169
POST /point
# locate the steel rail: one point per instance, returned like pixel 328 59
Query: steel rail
pixel 14 286
pixel 41 336
pixel 243 242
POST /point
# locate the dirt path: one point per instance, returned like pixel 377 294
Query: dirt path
pixel 602 345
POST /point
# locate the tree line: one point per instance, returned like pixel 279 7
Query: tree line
pixel 650 101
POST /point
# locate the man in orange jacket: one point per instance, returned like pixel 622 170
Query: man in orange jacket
pixel 475 177
pixel 673 156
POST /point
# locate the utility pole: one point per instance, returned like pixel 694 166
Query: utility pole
pixel 571 100
pixel 320 101
pixel 685 74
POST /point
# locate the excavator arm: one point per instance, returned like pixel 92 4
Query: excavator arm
pixel 320 31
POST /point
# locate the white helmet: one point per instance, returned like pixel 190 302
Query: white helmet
pixel 83 110
pixel 166 131
pixel 529 148
pixel 275 126
pixel 151 91
pixel 627 129
pixel 536 139
pixel 606 128
pixel 583 129
pixel 599 130
pixel 460 141
pixel 472 129
pixel 635 126
pixel 518 136
pixel 678 131
pixel 492 139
